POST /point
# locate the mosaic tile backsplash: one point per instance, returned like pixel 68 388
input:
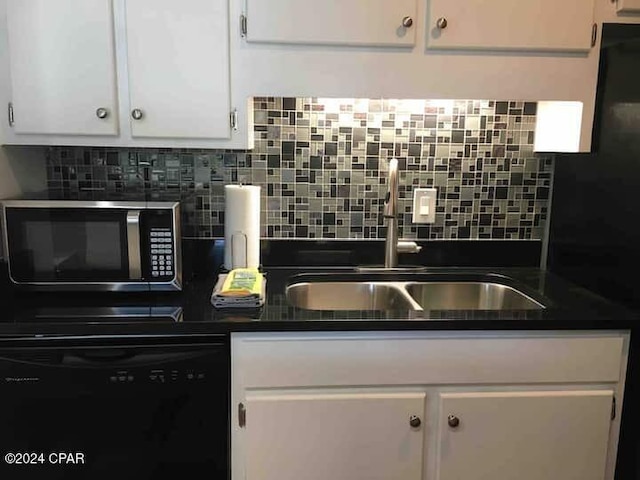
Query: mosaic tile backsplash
pixel 322 166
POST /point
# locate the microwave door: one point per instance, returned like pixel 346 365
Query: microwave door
pixel 84 248
pixel 133 245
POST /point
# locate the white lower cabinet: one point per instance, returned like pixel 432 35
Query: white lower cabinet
pixel 337 436
pixel 530 435
pixel 305 405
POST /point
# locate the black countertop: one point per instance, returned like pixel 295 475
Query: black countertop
pixel 190 312
pixel 33 317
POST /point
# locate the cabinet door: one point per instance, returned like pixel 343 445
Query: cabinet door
pixel 332 22
pixel 178 62
pixel 554 435
pixel 562 25
pixel 62 66
pixel 334 436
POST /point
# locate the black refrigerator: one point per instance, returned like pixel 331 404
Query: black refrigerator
pixel 595 217
pixel 594 237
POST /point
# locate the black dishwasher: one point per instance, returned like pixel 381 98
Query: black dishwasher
pixel 115 408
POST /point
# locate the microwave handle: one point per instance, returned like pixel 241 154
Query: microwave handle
pixel 133 244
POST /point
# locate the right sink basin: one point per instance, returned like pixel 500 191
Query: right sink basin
pixel 470 296
pixel 417 292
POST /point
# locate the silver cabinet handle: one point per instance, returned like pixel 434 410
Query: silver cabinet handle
pixel 442 23
pixel 102 113
pixel 453 421
pixel 234 120
pixel 133 244
pixel 137 114
pixel 415 421
pixel 407 22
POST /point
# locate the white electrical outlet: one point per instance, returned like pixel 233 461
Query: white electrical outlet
pixel 424 205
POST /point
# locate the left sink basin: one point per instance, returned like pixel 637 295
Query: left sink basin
pixel 349 296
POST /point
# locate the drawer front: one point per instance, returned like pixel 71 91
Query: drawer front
pixel 316 359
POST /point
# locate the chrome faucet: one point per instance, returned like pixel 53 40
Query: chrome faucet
pixel 392 245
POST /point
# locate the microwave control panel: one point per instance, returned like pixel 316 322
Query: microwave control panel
pixel 161 254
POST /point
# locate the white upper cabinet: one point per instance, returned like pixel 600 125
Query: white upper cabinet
pixel 543 25
pixel 333 22
pixel 121 73
pixel 62 67
pixel 178 65
pixel 528 435
pixel 524 50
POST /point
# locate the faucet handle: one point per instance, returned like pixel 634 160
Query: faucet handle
pixel 408 247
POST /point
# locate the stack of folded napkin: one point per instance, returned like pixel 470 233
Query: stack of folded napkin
pixel 240 288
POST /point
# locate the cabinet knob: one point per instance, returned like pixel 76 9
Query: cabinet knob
pixel 442 23
pixel 407 22
pixel 453 421
pixel 102 113
pixel 136 114
pixel 415 421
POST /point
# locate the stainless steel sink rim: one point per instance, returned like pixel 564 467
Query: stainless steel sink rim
pixel 298 294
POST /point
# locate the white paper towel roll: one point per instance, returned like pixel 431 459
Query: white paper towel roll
pixel 241 226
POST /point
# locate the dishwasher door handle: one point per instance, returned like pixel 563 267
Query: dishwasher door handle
pixel 132 357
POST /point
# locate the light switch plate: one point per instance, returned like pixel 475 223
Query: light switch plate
pixel 424 205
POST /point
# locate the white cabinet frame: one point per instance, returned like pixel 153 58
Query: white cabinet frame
pixel 315 363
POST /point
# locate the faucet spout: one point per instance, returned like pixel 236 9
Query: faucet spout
pixel 392 245
pixel 391 217
pixel 391 199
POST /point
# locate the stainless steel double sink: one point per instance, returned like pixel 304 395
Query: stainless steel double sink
pixel 413 292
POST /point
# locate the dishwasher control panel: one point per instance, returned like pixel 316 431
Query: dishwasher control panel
pixel 158 376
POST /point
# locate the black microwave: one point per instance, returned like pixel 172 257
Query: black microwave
pixel 93 245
